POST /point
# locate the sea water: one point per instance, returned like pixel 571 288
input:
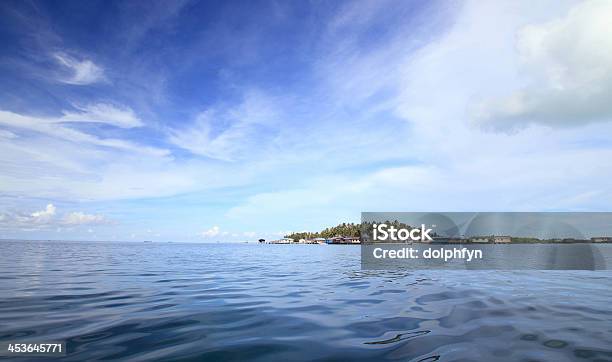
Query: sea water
pixel 230 302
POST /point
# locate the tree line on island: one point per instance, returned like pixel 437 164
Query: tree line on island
pixel 363 231
pixel 343 230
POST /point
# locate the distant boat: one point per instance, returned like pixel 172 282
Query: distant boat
pixel 147 241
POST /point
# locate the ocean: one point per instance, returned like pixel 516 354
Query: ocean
pixel 234 302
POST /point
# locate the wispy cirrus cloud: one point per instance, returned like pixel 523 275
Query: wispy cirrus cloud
pixel 79 72
pixel 231 133
pixel 102 113
pixel 7 134
pixel 123 117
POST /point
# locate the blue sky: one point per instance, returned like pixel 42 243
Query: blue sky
pixel 206 121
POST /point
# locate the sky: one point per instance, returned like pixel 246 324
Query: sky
pixel 235 120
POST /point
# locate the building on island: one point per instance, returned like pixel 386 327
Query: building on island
pixel 312 241
pixel 343 240
pixel 282 241
pixel 602 239
pixel 334 240
pixel 352 240
pixel 480 240
pixel 502 239
pixel 445 240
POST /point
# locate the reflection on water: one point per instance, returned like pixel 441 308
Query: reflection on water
pixel 275 302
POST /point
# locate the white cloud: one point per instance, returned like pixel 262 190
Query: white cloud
pixel 216 234
pixel 43 216
pixel 568 65
pixel 80 218
pixel 49 218
pixel 81 72
pixel 123 117
pixel 212 232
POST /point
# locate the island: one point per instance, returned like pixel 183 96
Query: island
pixel 356 233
